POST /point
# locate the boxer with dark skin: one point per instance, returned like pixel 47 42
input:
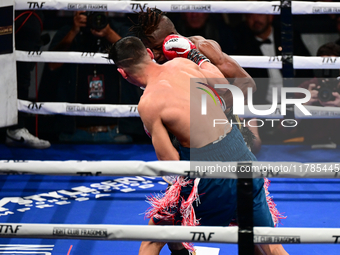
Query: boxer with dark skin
pixel 166 106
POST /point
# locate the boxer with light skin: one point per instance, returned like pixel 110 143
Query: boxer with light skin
pixel 166 105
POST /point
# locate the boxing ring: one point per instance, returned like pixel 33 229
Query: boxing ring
pixel 71 198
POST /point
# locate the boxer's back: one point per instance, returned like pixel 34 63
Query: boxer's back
pixel 179 103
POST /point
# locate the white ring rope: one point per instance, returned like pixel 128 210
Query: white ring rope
pixel 273 62
pixel 202 169
pixel 101 110
pixel 168 233
pixel 70 109
pixel 298 7
pixel 166 6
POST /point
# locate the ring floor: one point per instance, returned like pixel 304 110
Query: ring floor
pixel 305 202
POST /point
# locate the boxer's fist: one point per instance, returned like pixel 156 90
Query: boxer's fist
pixel 177 46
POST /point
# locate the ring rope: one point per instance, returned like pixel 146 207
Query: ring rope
pixel 273 62
pixel 75 109
pixel 101 110
pixel 168 233
pixel 270 7
pixel 166 6
pixel 193 169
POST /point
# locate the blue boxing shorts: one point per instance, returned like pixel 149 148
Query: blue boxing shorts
pixel 217 201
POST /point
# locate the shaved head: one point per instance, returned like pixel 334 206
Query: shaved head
pixel 127 52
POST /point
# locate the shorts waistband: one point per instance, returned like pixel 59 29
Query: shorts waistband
pixel 230 148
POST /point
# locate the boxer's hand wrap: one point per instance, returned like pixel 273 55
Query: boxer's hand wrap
pixel 177 46
pixel 147 131
pixel 197 57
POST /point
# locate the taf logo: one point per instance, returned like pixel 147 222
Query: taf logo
pixel 88 54
pixel 138 6
pixel 336 239
pixel 9 229
pixel 276 8
pixel 34 53
pixel 275 59
pixel 35 5
pixel 200 236
pixel 34 106
pixel 133 109
pixel 329 60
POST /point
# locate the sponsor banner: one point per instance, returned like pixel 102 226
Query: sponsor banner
pixel 63 57
pixel 80 232
pixel 78 109
pixel 316 62
pixel 274 62
pixel 317 112
pixel 173 233
pixel 296 235
pixel 126 232
pixel 277 239
pixel 166 6
pixel 299 7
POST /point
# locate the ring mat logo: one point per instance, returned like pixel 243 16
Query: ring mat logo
pixel 78 194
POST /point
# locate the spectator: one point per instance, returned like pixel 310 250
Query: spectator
pixel 323 131
pixel 209 26
pixel 260 36
pixel 28 26
pixel 87 84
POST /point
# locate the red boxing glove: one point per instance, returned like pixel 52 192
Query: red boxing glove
pixel 177 46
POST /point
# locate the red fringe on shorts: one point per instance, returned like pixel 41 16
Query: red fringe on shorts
pixel 165 206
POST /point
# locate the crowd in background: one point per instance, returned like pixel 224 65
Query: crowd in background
pixel 237 34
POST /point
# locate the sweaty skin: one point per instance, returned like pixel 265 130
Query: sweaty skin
pixel 169 104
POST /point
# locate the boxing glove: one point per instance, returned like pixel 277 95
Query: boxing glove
pixel 179 46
